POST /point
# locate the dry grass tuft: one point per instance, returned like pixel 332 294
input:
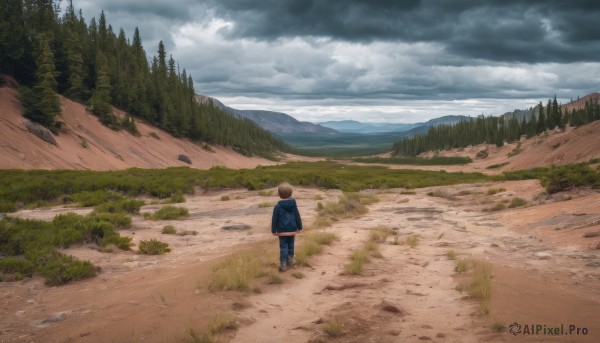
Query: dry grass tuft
pixel 221 322
pixel 348 205
pixel 237 272
pixel 333 328
pixel 495 190
pixel 412 240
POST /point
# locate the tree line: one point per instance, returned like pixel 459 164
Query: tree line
pixel 497 130
pixel 50 53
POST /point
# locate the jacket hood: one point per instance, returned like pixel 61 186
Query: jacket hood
pixel 287 204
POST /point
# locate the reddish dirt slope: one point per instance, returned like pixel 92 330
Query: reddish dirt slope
pixel 85 143
pixel 580 103
pixel 575 145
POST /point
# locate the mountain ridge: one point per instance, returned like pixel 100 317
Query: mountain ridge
pixel 275 122
pixel 353 126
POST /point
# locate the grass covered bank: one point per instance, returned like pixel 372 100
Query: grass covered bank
pixel 36 188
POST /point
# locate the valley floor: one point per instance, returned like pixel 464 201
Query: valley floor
pixel 545 272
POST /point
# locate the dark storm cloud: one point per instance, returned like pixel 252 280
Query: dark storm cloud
pixel 503 30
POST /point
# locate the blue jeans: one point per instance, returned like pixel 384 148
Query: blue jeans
pixel 286 247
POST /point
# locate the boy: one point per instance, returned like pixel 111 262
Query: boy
pixel 286 223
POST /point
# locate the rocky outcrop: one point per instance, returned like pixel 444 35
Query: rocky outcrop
pixel 40 131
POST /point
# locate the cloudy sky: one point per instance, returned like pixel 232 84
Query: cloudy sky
pixel 373 60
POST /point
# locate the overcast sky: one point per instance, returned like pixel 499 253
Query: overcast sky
pixel 373 61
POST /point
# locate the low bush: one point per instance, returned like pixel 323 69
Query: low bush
pixel 176 198
pixel 169 230
pixel 60 269
pixel 121 205
pixel 170 213
pixel 153 247
pixel 517 202
pixel 94 198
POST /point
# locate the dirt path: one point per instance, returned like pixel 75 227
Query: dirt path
pixel 420 281
pixel 538 278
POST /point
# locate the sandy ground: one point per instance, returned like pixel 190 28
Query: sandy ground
pixel 545 272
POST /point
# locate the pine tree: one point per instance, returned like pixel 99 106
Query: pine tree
pixel 46 103
pixel 100 101
pixel 541 120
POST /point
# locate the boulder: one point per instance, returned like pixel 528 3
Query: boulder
pixel 40 131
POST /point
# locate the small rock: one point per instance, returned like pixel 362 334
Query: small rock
pixel 425 338
pixel 543 255
pixel 388 306
pixel 237 227
pixel 440 335
pixel 184 158
pixel 395 332
pixel 56 318
pixel 426 326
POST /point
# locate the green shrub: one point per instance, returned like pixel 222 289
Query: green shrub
pixel 170 213
pixel 169 230
pixel 7 206
pixel 94 198
pixel 60 269
pixel 153 247
pixel 123 243
pixel 517 202
pixel 225 198
pixel 176 198
pixel 16 264
pixel 121 205
pixel 121 221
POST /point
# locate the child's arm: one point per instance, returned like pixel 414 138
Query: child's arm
pixel 274 220
pixel 298 219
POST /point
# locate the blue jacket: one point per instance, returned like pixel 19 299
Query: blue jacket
pixel 286 218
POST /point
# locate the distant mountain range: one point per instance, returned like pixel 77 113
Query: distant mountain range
pixel 275 122
pixel 352 126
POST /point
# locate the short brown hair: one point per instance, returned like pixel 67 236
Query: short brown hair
pixel 285 190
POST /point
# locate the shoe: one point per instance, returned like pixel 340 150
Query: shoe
pixel 282 267
pixel 291 261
